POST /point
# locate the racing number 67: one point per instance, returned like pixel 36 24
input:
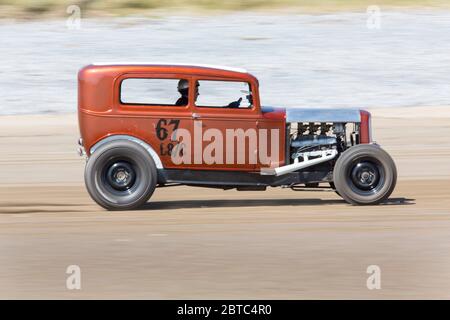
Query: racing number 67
pixel 164 129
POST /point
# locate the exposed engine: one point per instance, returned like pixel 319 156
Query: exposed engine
pixel 310 140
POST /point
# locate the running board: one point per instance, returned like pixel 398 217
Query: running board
pixel 326 155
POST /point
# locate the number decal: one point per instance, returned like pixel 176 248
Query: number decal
pixel 175 124
pixel 161 132
pixel 164 129
pixel 166 150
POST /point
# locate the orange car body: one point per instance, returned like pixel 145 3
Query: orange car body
pixel 134 135
pixel 102 114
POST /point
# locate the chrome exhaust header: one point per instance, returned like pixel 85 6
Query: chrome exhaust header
pixel 325 155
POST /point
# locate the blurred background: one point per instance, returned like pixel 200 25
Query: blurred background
pixel 387 53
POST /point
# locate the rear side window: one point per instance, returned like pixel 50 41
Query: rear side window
pixel 224 94
pixel 146 91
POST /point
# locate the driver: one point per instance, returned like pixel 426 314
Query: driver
pixel 183 89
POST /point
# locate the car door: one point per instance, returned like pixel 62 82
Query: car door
pixel 225 123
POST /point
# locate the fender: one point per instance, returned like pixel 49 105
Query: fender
pixel 146 146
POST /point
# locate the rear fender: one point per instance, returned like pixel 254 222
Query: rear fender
pixel 145 145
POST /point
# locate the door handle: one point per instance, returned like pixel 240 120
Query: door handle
pixel 195 116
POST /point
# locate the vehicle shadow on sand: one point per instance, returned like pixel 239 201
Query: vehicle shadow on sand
pixel 193 204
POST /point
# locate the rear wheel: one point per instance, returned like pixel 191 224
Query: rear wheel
pixel 120 175
pixel 365 175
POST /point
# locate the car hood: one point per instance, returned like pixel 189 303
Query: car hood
pixel 295 114
pixel 275 113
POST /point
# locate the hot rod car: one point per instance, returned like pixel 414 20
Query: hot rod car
pixel 145 126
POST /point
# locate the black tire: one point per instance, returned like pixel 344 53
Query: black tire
pixel 365 175
pixel 120 175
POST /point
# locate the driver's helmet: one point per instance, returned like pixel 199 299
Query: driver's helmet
pixel 183 86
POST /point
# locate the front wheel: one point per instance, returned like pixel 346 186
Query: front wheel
pixel 120 175
pixel 365 175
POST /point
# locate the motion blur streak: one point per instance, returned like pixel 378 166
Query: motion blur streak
pixel 327 60
pixel 223 244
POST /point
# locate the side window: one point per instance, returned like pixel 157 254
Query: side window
pixel 224 94
pixel 148 91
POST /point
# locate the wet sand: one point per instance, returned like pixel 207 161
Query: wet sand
pixel 205 243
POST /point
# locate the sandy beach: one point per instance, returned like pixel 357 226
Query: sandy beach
pixel 204 243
